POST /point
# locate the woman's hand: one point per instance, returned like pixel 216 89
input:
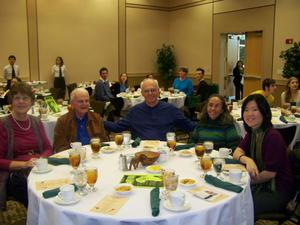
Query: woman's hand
pixel 251 167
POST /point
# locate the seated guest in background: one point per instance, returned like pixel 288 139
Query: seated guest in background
pixel 268 88
pixel 79 124
pixel 59 73
pixel 103 93
pixel 264 153
pixel 5 94
pixel 216 125
pixel 22 140
pixel 152 119
pixel 202 88
pixel 120 86
pixel 151 76
pixel 292 92
pixel 11 70
pixel 182 83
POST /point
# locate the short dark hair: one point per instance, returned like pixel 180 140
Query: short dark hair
pixel 184 69
pixel 267 83
pixel 200 69
pixel 12 57
pixel 103 69
pixel 264 109
pixel 21 88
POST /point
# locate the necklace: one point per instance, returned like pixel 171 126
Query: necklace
pixel 22 128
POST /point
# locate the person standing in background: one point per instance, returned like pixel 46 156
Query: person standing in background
pixel 11 70
pixel 59 72
pixel 238 73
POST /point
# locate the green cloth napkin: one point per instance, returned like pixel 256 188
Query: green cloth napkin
pixel 53 192
pixel 222 184
pixel 283 119
pixel 154 201
pixel 104 145
pixel 58 161
pixel 136 142
pixel 232 161
pixel 297 115
pixel 187 146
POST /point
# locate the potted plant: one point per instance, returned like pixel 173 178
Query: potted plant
pixel 166 63
pixel 291 57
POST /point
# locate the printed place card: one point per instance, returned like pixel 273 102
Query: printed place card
pixel 208 194
pixel 109 205
pixel 50 184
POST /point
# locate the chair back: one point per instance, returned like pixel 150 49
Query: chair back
pixel 288 134
pixel 70 88
pixel 55 92
pixel 97 106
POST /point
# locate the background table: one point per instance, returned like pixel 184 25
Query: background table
pixel 237 209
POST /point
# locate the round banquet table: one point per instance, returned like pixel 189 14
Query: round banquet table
pixel 236 209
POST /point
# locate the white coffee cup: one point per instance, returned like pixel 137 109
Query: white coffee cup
pixel 177 199
pixel 224 152
pixel 235 176
pixel 76 145
pixel 41 164
pixel 66 192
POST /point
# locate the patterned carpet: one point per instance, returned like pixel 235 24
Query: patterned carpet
pixel 15 214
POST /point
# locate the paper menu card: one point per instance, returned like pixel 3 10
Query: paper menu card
pixel 208 194
pixel 227 167
pixel 109 205
pixel 51 184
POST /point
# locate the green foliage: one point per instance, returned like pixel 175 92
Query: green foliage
pixel 291 57
pixel 166 62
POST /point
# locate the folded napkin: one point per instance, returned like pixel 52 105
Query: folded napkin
pixel 222 184
pixel 104 145
pixel 136 142
pixel 58 161
pixel 283 119
pixel 187 146
pixel 297 115
pixel 53 192
pixel 232 161
pixel 154 201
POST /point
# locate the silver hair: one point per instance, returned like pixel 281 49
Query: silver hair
pixel 77 91
pixel 155 82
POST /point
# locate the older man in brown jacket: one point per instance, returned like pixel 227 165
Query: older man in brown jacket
pixel 79 124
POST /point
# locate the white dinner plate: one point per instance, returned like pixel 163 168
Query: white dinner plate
pixel 186 206
pixel 59 201
pixel 49 168
pixel 107 149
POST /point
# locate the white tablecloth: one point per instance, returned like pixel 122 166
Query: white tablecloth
pixel 237 209
pixel 277 123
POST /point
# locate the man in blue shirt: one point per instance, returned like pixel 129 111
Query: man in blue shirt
pixel 79 124
pixel 152 119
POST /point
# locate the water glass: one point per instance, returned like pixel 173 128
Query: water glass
pixel 126 139
pixel 80 180
pixel 209 146
pixel 218 164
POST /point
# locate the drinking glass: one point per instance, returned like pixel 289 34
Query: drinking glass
pixel 126 139
pixel 293 109
pixel 74 157
pixel 164 174
pixel 43 110
pixel 209 146
pixel 218 165
pixel 199 150
pixel 206 163
pixel 80 180
pixel 171 142
pixel 95 146
pixel 92 175
pixel 286 105
pixel 119 140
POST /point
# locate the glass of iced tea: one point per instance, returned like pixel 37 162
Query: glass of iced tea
pixel 199 150
pixel 95 146
pixel 286 105
pixel 205 163
pixel 171 141
pixel 293 109
pixel 119 140
pixel 92 176
pixel 74 157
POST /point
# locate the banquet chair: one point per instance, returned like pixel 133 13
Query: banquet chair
pixel 55 92
pixel 70 88
pixel 97 106
pixel 288 134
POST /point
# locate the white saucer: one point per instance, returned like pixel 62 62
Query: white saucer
pixel 242 181
pixel 35 170
pixel 168 206
pixel 108 149
pixel 59 201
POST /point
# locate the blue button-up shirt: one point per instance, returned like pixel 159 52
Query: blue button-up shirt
pixel 82 133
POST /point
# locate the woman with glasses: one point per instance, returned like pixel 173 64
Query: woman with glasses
pixel 22 141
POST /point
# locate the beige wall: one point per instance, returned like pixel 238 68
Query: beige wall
pixel 286 26
pixel 14 36
pixel 146 31
pixel 84 33
pixel 191 34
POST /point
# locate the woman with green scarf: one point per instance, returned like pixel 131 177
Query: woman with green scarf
pixel 264 153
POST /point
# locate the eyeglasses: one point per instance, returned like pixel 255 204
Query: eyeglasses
pixel 23 98
pixel 147 91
